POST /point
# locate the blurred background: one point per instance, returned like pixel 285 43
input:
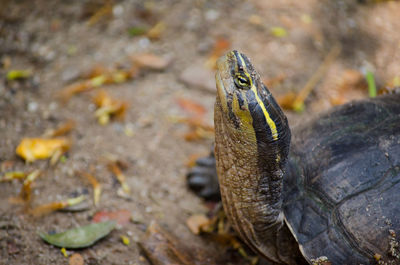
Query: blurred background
pixel 120 94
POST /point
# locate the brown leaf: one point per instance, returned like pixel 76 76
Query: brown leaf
pixel 197 222
pixel 191 161
pixel 116 170
pixel 197 129
pixel 76 259
pixel 151 61
pixel 350 86
pixel 26 191
pixel 96 186
pixel 286 101
pixel 220 47
pixel 191 106
pixel 299 102
pixel 98 76
pixel 54 206
pixel 61 129
pixel 122 217
pixel 108 107
pixel 274 81
pixel 156 31
pixel 103 11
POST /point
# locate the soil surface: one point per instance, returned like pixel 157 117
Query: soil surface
pixel 59 41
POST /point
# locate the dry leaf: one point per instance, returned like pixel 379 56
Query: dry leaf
pixel 220 47
pixel 122 217
pixel 97 77
pixel 151 61
pixel 104 11
pixel 274 81
pixel 198 129
pixel 286 100
pixel 192 107
pixel 76 259
pixel 32 149
pixel 60 130
pixel 197 222
pixel 96 187
pixel 191 161
pixel 108 107
pixel 54 206
pixel 351 85
pixel 299 102
pixel 156 31
pixel 116 170
pixel 67 92
pixel 26 191
pixel 8 176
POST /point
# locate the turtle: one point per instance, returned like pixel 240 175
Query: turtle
pixel 328 191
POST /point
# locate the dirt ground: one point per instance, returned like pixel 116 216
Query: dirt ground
pixel 61 40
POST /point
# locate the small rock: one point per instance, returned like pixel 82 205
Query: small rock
pixel 32 106
pixel 118 10
pixel 211 15
pixel 144 43
pixel 70 74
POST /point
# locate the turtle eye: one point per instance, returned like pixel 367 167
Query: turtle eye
pixel 242 81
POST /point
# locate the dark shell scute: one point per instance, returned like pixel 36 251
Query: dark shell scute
pixel 342 188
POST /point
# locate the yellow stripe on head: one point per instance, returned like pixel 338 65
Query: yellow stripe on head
pixel 270 122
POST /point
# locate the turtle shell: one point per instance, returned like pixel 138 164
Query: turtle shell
pixel 342 190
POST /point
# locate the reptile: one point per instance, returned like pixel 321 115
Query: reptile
pixel 328 191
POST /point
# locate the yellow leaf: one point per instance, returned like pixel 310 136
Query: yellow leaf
pixel 18 74
pixel 306 19
pixel 32 149
pixel 278 32
pixel 8 176
pixel 108 107
pixel 156 31
pixel 96 187
pixel 125 240
pixel 64 252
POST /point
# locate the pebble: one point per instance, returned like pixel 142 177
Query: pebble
pixel 211 15
pixel 70 74
pixel 144 43
pixel 33 106
pixel 118 10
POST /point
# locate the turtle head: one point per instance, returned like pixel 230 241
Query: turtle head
pixel 248 107
pixel 252 138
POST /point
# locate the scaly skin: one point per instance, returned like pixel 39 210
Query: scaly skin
pixel 251 148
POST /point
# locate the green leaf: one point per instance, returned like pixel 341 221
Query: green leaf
pixel 136 31
pixel 79 237
pixel 18 74
pixel 371 84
